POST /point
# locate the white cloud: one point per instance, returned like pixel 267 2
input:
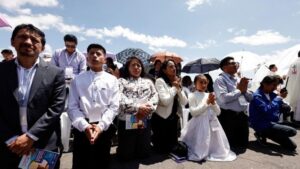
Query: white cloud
pixel 194 3
pixel 65 28
pixel 16 5
pixel 44 21
pixel 206 44
pixel 262 37
pixel 156 49
pixel 237 32
pixel 81 38
pixel 119 31
pixel 108 41
pixel 241 32
pixel 230 30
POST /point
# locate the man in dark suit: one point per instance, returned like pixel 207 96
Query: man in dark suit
pixel 31 101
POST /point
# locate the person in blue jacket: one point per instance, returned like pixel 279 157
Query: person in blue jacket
pixel 264 113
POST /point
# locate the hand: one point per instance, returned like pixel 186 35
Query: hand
pixel 144 111
pixel 211 99
pixel 96 133
pixel 243 85
pixel 22 145
pixel 89 132
pixel 92 132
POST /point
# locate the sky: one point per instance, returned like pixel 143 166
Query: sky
pixel 190 28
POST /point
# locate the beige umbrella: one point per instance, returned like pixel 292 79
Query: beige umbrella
pixel 162 56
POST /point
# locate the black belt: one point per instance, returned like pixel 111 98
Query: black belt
pixel 88 120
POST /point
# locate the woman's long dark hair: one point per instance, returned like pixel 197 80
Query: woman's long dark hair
pixel 162 73
pixel 126 73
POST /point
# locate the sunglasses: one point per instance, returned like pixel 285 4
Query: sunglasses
pixel 233 63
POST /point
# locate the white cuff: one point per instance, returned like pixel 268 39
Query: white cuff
pixel 32 136
pixel 9 141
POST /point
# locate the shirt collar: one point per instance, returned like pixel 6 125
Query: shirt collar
pixel 229 76
pixel 134 79
pixel 34 65
pixel 65 51
pixel 96 73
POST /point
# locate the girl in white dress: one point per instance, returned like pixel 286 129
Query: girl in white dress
pixel 203 134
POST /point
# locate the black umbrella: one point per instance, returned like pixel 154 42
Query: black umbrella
pixel 125 54
pixel 201 65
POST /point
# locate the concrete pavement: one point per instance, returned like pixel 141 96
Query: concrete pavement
pixel 255 157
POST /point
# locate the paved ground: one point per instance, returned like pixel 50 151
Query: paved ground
pixel 255 157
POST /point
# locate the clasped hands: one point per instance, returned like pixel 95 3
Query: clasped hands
pixel 211 99
pixel 243 84
pixel 92 132
pixel 143 111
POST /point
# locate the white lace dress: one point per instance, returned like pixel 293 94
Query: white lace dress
pixel 204 134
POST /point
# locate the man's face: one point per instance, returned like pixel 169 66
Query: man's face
pixel 231 67
pixel 7 56
pixel 96 58
pixel 27 43
pixel 70 46
pixel 274 69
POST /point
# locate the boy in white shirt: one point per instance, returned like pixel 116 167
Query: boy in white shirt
pixel 93 105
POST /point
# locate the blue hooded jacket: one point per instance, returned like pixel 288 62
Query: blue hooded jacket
pixel 263 112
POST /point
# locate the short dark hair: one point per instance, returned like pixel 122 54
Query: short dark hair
pixel 225 61
pixel 97 46
pixel 157 61
pixel 272 66
pixel 70 38
pixel 186 81
pixel 126 73
pixel 8 51
pixel 31 28
pixel 269 80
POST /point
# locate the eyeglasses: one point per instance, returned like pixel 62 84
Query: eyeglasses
pixel 70 46
pixel 233 63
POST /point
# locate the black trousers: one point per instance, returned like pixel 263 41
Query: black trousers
pixel 236 128
pixel 9 160
pixel 90 156
pixel 133 143
pixel 281 134
pixel 165 135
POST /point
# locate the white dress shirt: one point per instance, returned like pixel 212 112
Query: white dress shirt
pixel 25 79
pixel 93 96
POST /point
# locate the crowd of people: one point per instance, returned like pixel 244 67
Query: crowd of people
pixel 143 108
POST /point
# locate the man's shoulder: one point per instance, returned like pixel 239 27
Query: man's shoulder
pixel 109 76
pixel 58 52
pixel 51 67
pixel 7 64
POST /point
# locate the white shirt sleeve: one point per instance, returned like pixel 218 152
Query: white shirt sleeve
pixel 111 110
pixel 76 115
